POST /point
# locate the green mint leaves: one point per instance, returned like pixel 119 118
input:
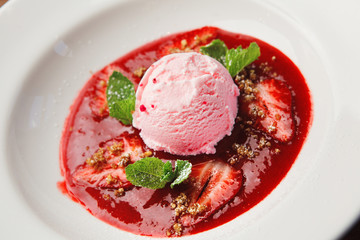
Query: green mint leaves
pixel 216 49
pixel 149 172
pixel 182 172
pixel 237 59
pixel 153 173
pixel 120 94
pixel 233 59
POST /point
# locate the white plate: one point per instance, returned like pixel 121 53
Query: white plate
pixel 48 49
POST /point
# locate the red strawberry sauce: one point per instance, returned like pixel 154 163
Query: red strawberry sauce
pixel 148 212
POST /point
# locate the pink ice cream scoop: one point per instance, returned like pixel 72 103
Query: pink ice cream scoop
pixel 185 104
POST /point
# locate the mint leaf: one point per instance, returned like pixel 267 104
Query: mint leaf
pixel 182 172
pixel 168 172
pixel 233 59
pixel 148 172
pixel 216 49
pixel 237 59
pixel 120 94
pixel 153 173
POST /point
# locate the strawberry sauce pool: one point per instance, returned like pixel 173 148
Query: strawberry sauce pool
pixel 262 159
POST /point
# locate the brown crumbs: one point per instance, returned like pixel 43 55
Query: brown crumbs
pixel 178 229
pixel 139 72
pixel 272 128
pixel 184 44
pixel 119 192
pixel 243 150
pixel 249 122
pixel 106 196
pixel 111 180
pixel 233 160
pixel 124 160
pixel 265 67
pixel 256 112
pixel 97 159
pixel 204 38
pixel 263 143
pixel 102 83
pixel 116 149
pixel 196 209
pixel 180 204
pixel 146 154
pixel 175 50
pixel 245 80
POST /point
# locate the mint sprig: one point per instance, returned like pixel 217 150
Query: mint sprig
pixel 153 173
pixel 182 172
pixel 233 59
pixel 120 95
pixel 216 49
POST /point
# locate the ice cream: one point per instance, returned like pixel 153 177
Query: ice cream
pixel 185 104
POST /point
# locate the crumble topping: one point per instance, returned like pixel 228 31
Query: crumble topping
pixel 265 67
pixel 178 229
pixel 146 154
pixel 116 149
pixel 184 44
pixel 119 192
pixel 106 196
pixel 180 204
pixel 263 143
pixel 245 80
pixel 139 72
pixel 124 160
pixel 196 209
pixel 186 47
pixel 175 229
pixel 256 112
pixel 111 180
pixel 272 128
pixel 243 150
pixel 102 83
pixel 201 39
pixel 97 159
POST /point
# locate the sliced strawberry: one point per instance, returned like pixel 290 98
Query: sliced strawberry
pixel 106 167
pixel 271 110
pixel 214 183
pixel 101 178
pixel 189 41
pixel 98 102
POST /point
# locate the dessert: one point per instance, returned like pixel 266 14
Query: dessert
pixel 185 104
pixel 110 137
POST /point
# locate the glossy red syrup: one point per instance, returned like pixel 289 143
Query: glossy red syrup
pixel 148 212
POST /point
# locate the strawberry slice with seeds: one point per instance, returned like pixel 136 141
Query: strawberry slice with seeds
pixel 271 110
pixel 106 167
pixel 97 94
pixel 189 41
pixel 214 183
